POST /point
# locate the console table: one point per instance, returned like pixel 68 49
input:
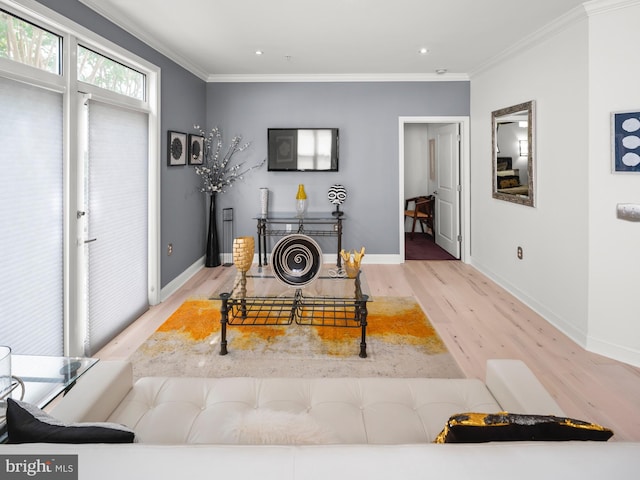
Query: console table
pixel 257 298
pixel 274 224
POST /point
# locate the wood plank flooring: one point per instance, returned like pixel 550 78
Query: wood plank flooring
pixel 477 320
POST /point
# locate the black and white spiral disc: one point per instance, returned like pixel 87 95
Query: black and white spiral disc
pixel 296 260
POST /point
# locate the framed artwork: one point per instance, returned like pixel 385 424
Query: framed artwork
pixel 283 150
pixel 176 148
pixel 625 142
pixel 432 159
pixel 196 149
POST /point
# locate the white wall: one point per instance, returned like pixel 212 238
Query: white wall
pixel 552 276
pixel 416 159
pixel 614 244
pixel 581 266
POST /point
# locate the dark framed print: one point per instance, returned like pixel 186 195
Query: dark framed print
pixel 283 149
pixel 176 148
pixel 625 141
pixel 196 149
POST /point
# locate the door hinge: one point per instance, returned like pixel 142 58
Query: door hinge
pixel 459 238
pixel 459 188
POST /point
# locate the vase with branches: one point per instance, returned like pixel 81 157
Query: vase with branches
pixel 219 172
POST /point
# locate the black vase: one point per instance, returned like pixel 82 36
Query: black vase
pixel 212 258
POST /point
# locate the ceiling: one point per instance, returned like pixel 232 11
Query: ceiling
pixel 218 39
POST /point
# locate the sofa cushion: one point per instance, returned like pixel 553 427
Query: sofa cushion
pixel 27 423
pixel 272 427
pixel 355 410
pixel 508 427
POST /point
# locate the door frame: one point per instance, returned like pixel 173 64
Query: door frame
pixel 463 180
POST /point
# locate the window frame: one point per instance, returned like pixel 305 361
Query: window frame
pixel 67 82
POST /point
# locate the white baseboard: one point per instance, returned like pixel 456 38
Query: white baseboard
pixel 611 350
pixel 174 285
pixel 583 339
pixel 565 327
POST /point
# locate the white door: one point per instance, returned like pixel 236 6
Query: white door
pixel 447 193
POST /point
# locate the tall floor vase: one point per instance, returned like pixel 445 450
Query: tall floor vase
pixel 212 258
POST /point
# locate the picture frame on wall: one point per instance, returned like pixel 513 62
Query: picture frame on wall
pixel 625 142
pixel 176 148
pixel 196 149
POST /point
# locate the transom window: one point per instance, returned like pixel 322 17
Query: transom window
pixel 103 72
pixel 27 43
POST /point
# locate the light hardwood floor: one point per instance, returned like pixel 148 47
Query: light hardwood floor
pixel 477 320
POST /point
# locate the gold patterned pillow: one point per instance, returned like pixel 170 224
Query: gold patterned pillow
pixel 509 427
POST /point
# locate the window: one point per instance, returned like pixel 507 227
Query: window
pixel 27 43
pixel 31 215
pixel 106 73
pixel 47 281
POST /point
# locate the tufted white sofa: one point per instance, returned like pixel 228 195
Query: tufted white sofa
pixel 366 427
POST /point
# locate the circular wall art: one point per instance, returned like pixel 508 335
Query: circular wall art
pixel 296 260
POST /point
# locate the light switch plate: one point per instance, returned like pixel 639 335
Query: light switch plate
pixel 629 211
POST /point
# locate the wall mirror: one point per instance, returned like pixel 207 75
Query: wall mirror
pixel 513 140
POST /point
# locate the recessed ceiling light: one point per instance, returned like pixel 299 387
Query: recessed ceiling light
pixel 423 51
pixel 259 52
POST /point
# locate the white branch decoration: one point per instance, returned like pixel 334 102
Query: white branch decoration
pixel 218 172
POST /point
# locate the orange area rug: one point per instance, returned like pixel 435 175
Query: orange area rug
pixel 400 342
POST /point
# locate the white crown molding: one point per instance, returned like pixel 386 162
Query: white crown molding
pixel 552 28
pixel 341 77
pixel 595 7
pixel 153 42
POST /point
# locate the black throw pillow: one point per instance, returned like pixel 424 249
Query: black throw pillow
pixel 510 427
pixel 26 423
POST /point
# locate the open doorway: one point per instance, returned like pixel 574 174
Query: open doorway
pixel 434 161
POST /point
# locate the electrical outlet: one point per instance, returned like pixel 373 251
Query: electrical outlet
pixel 519 253
pixel 169 249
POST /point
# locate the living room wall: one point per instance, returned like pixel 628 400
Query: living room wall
pixel 182 106
pixel 367 115
pixel 580 261
pixel 614 253
pixel 552 277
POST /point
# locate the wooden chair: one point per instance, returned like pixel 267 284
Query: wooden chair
pixel 422 212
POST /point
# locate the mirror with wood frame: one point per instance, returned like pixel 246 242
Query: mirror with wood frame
pixel 513 141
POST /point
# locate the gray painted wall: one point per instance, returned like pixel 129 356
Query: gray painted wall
pixel 182 105
pixel 367 116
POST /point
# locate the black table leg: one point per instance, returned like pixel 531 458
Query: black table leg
pixel 362 315
pixel 224 319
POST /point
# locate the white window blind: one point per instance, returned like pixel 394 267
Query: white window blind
pixel 117 215
pixel 31 216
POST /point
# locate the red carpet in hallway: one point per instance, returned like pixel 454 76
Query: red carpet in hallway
pixel 422 247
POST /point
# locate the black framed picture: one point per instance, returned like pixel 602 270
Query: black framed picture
pixel 196 149
pixel 625 141
pixel 176 148
pixel 283 149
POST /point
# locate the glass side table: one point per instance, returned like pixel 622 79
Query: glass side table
pixel 42 379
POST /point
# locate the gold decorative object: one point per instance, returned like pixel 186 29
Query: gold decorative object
pixel 301 201
pixel 243 249
pixel 352 262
